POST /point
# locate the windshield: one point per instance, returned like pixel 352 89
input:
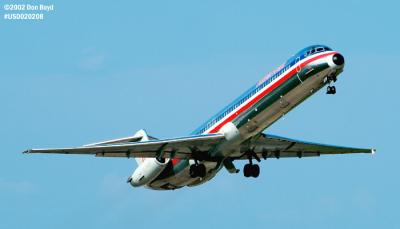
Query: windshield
pixel 310 50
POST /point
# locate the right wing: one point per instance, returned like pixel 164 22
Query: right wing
pixel 266 146
pixel 182 148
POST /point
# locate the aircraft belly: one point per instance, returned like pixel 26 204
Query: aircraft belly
pixel 182 178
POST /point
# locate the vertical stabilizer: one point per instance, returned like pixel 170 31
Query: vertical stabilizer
pixel 143 137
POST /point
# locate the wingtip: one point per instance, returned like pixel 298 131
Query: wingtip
pixel 27 151
pixel 373 151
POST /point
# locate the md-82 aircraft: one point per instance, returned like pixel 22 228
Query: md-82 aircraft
pixel 234 133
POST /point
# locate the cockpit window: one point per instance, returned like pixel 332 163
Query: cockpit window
pixel 314 49
pixel 311 50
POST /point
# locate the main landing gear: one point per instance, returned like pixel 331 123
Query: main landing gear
pixel 331 90
pixel 197 170
pixel 250 169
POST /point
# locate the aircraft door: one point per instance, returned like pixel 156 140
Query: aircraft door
pixel 298 68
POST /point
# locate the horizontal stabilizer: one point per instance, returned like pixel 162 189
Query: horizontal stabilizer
pixel 135 138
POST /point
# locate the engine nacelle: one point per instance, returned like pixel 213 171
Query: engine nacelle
pixel 147 171
pixel 230 131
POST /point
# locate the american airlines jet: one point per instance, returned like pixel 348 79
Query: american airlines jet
pixel 234 133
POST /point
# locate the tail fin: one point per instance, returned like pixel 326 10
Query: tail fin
pixel 142 135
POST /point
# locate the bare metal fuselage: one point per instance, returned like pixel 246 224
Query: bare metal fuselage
pixel 297 84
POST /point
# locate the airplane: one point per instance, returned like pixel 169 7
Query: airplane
pixel 234 133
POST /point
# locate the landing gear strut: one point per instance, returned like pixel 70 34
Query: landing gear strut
pixel 331 78
pixel 250 169
pixel 197 170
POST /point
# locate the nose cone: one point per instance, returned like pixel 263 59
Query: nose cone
pixel 338 59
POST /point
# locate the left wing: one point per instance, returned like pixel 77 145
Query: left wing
pixel 182 148
pixel 265 146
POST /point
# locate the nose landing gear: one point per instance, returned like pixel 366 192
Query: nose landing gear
pixel 330 90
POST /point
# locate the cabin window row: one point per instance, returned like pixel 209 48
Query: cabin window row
pixel 245 98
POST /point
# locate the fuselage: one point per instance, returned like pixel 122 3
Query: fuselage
pixel 256 109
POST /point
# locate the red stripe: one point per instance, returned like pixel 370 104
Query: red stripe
pixel 175 161
pixel 268 90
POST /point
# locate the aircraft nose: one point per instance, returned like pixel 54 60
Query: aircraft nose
pixel 338 59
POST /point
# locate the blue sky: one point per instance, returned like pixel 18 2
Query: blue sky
pixel 98 70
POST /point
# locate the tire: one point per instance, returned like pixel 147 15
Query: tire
pixel 193 171
pixel 255 171
pixel 329 90
pixel 201 170
pixel 246 170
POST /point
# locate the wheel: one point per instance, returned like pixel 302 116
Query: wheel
pixel 333 89
pixel 246 170
pixel 329 90
pixel 201 170
pixel 255 171
pixel 193 171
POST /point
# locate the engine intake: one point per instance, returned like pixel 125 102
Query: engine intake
pixel 147 171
